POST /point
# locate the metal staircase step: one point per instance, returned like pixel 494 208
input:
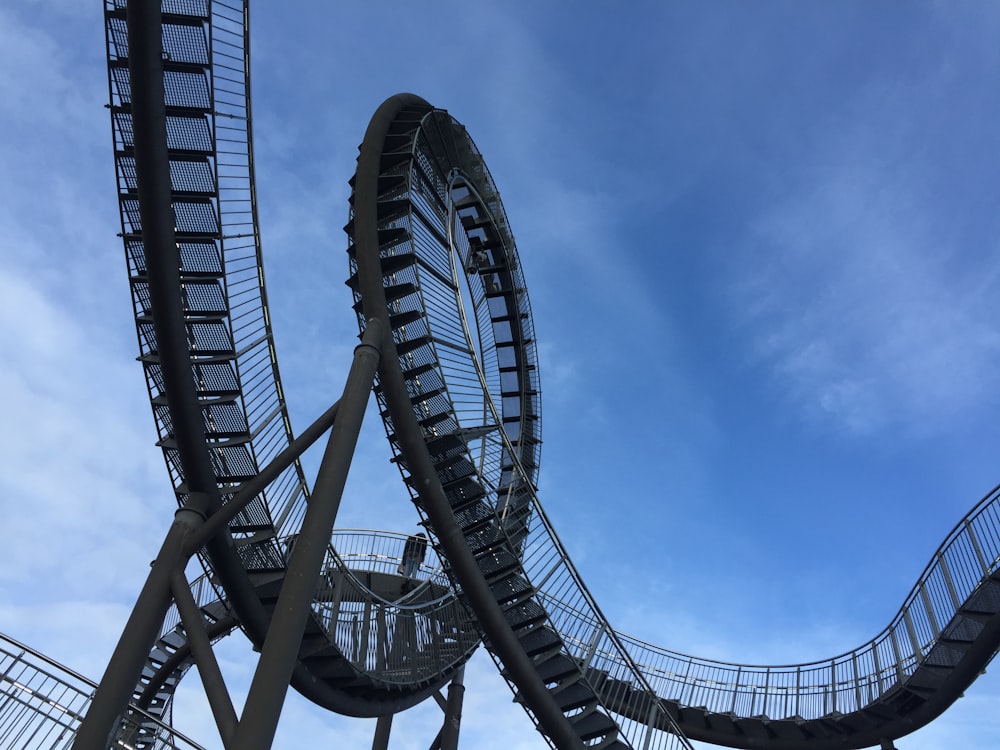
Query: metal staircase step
pixel 488 538
pixel 985 600
pixel 556 667
pixel 539 641
pixel 495 563
pixel 575 695
pixel 524 614
pixel 474 517
pixel 511 589
pixel 215 610
pixel 593 724
pixel 725 723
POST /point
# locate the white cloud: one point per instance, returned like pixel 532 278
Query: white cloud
pixel 857 299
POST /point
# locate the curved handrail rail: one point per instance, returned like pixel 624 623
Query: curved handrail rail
pixel 853 679
pixel 341 602
pixel 42 703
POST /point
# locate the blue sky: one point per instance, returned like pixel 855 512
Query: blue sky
pixel 761 245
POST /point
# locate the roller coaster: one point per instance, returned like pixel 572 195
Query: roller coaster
pixel 448 347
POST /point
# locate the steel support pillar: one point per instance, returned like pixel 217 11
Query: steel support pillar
pixel 453 711
pixel 112 696
pixel 166 579
pixel 382 729
pixel 281 646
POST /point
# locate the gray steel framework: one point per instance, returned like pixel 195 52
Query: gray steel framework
pixel 434 264
pixel 395 630
pixel 172 100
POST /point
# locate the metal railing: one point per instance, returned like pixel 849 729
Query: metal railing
pixel 395 636
pixel 405 636
pixel 852 680
pixel 42 704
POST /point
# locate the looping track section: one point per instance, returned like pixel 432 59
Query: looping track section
pixel 432 255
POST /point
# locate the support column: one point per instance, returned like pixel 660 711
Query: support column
pixel 382 728
pixel 281 646
pixel 453 711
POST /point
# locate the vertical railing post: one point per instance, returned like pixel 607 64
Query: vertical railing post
pixel 857 681
pixel 900 675
pixel 928 605
pixel 878 670
pixel 911 631
pixel 833 685
pixel 593 646
pixel 975 545
pixel 736 689
pixel 798 691
pixel 650 724
pixel 382 639
pixel 955 603
pixel 767 686
pixel 366 617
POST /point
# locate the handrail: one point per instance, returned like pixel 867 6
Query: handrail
pixel 347 606
pixel 43 702
pixel 850 680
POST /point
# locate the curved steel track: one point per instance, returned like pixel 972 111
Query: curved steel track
pixel 226 350
pixel 432 256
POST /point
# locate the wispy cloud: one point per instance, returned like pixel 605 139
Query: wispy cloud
pixel 861 290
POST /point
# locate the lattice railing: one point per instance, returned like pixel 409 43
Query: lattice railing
pixel 42 704
pixel 852 680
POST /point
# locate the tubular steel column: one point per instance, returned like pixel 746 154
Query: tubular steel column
pixel 281 646
pixel 382 728
pixel 453 712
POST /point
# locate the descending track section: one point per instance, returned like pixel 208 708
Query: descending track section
pixel 238 418
pixel 432 254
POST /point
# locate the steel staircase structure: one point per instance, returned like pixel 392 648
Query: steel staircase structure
pixel 423 207
pixel 386 637
pixel 947 630
pixel 230 345
pixel 433 261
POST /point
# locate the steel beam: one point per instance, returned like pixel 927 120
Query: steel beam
pixel 279 654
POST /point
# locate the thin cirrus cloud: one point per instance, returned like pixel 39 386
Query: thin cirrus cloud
pixel 862 292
